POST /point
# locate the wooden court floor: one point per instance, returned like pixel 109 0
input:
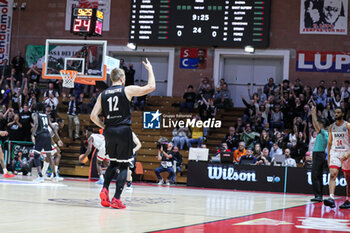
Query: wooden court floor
pixel 73 206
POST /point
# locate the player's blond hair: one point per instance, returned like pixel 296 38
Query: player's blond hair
pixel 116 74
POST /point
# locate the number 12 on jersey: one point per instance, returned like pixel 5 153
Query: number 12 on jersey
pixel 113 103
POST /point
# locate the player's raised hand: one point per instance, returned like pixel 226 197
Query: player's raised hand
pixel 147 65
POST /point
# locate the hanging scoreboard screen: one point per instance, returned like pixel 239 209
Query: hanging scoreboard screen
pixel 227 23
pixel 87 22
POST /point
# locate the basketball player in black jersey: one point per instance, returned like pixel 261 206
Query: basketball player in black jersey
pixel 114 104
pixel 42 142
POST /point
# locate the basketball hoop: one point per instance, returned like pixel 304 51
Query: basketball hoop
pixel 68 77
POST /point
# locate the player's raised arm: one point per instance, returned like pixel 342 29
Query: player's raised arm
pixel 95 112
pixel 134 90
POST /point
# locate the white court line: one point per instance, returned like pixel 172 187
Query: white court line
pixel 31 183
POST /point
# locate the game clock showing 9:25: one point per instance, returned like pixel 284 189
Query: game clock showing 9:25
pixel 87 22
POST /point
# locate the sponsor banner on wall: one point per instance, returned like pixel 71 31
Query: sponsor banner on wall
pixel 5 30
pixel 258 178
pixel 193 58
pixel 311 61
pixel 14 147
pixel 329 17
pixel 299 180
pixel 102 5
pixel 241 177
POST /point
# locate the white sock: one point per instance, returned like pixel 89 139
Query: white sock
pixel 5 170
pixel 45 167
pixel 331 196
pixel 101 177
pixel 56 169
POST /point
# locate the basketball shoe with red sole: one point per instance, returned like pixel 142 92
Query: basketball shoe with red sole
pixel 117 204
pixel 9 175
pixel 104 195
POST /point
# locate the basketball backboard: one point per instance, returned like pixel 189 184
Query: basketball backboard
pixel 87 57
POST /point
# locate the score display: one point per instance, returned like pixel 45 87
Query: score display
pixel 226 23
pixel 87 22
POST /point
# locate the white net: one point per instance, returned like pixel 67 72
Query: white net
pixel 68 77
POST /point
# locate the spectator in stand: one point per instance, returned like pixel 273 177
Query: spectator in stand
pixel 220 85
pixel 237 154
pixel 223 98
pixel 34 74
pixel 231 139
pixel 92 102
pixel 203 85
pixel 6 98
pixel 17 98
pixel 320 97
pixel 209 109
pixel 328 113
pixel 264 159
pixel 35 90
pixel 308 160
pixel 251 109
pixel 239 126
pixel 166 159
pixel 27 123
pixel 249 158
pixel 208 92
pixel 277 118
pixel 223 148
pixel 269 87
pixel 32 102
pixel 288 162
pixel 197 135
pixel 265 140
pixel 336 100
pixel 345 91
pixel 190 98
pixel 321 84
pixel 51 90
pixel 334 89
pixel 52 102
pixel 18 63
pixel 14 128
pixel 180 136
pixel 275 150
pixel 279 139
pixel 284 87
pixel 50 114
pixel 130 75
pixel 248 136
pixel 178 161
pixel 257 150
pixel 72 116
pixel 298 152
pixel 297 87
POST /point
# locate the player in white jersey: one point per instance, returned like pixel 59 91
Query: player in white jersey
pixel 98 141
pixel 57 152
pixel 338 146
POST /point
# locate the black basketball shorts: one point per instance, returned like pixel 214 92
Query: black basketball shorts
pixel 119 142
pixel 43 142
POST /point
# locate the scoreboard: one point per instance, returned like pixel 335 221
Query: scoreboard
pixel 226 23
pixel 87 22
